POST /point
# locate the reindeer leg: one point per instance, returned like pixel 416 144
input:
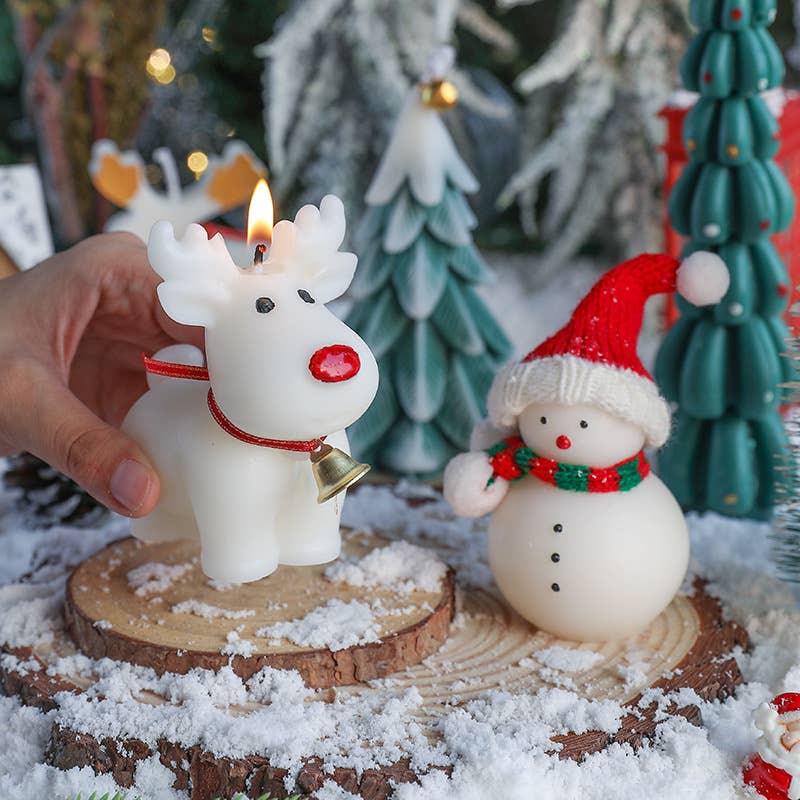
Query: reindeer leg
pixel 163 526
pixel 237 534
pixel 309 531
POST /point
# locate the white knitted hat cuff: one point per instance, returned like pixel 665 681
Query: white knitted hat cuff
pixel 574 381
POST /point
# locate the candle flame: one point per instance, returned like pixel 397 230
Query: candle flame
pixel 259 215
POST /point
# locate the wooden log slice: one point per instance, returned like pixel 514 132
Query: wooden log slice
pixel 189 621
pixel 488 648
pixel 688 646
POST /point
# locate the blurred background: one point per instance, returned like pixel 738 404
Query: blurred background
pixel 558 114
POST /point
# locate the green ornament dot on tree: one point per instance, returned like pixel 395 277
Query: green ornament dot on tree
pixel 416 306
pixel 726 366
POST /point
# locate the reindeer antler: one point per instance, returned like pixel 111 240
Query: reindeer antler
pixel 196 272
pixel 310 243
pixel 192 258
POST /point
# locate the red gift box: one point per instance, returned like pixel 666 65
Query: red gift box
pixel 787 242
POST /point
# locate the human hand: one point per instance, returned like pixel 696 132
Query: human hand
pixel 72 330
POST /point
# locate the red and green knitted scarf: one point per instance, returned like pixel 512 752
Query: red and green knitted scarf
pixel 512 459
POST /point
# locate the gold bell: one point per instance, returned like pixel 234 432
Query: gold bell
pixel 334 471
pixel 439 95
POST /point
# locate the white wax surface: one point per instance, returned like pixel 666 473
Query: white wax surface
pixel 252 507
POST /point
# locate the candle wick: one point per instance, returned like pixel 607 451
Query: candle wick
pixel 258 256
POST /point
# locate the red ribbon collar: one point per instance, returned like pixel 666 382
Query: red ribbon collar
pixel 168 369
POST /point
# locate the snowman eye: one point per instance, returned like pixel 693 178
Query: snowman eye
pixel 543 420
pixel 584 423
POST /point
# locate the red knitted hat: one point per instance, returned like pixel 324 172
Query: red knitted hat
pixel 592 359
pixel 787 705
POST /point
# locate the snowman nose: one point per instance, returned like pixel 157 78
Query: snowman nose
pixel 563 443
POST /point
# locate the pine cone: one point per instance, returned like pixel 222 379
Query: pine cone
pixel 47 496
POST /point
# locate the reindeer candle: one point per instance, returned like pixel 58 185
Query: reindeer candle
pixel 232 442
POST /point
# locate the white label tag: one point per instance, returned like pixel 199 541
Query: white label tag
pixel 24 227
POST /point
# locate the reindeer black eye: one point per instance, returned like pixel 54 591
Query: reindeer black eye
pixel 584 423
pixel 543 420
pixel 264 305
pixel 305 296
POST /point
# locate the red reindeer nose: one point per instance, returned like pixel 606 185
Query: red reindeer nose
pixel 563 443
pixel 334 363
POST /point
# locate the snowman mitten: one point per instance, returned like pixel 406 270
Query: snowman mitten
pixel 467 486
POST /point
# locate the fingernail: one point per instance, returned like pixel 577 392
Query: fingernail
pixel 129 484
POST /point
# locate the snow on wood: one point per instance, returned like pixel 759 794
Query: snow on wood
pixel 335 626
pixel 207 611
pixel 498 739
pixel 153 577
pixel 400 566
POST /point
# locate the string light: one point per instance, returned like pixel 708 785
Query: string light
pixel 209 35
pixel 158 60
pixel 167 76
pixel 159 66
pixel 197 161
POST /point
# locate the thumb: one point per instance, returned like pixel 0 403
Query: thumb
pixel 50 422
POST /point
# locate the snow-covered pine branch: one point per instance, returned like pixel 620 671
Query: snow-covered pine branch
pixel 335 75
pixel 593 130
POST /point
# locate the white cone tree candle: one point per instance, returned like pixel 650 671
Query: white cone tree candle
pixel 232 451
pixel 585 542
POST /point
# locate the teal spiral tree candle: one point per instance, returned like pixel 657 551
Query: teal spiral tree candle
pixel 725 366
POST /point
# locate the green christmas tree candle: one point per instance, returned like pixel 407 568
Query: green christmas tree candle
pixel 438 347
pixel 725 366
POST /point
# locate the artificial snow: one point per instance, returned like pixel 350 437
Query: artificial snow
pixel 495 744
pixel 153 577
pixel 400 566
pixel 498 739
pixel 236 646
pixel 567 659
pixel 207 611
pixel 335 626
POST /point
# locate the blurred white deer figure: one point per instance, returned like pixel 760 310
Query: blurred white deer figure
pixel 284 372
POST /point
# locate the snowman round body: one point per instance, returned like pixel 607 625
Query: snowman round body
pixel 580 565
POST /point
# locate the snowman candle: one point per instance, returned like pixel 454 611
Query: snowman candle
pixel 585 541
pixel 231 440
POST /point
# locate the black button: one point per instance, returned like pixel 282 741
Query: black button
pixel 558 527
pixel 555 587
pixel 555 558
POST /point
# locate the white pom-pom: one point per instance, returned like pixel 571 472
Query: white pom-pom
pixel 465 488
pixel 703 278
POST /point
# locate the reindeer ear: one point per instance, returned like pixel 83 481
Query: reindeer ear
pixel 117 176
pixel 197 273
pixel 334 278
pixel 191 304
pixel 231 177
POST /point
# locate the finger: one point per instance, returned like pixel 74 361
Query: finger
pixel 45 418
pixel 128 306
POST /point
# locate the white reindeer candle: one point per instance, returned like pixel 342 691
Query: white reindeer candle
pixel 231 440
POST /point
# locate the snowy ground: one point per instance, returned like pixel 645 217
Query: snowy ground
pixel 498 743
